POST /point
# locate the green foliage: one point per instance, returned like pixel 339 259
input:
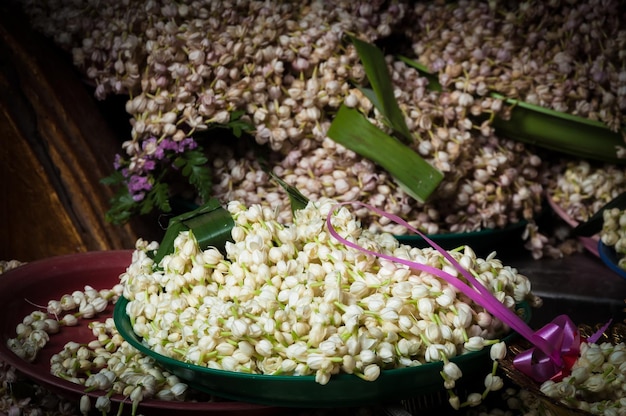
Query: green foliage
pixel 238 126
pixel 123 207
pixel 354 131
pixel 122 203
pixel 194 166
pixel 296 198
pixel 191 166
pixel 158 198
pixel 381 93
pixel 210 223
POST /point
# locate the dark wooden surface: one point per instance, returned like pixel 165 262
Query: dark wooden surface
pixel 56 147
pixel 578 285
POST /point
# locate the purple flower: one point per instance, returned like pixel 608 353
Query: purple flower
pixel 137 184
pixel 168 144
pixel 159 153
pixel 149 165
pixel 187 144
pixel 117 161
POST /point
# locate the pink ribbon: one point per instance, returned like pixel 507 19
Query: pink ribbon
pixel 556 346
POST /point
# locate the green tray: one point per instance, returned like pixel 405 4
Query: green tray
pixel 343 390
pixel 483 242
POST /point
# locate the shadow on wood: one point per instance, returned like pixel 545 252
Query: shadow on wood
pixel 56 147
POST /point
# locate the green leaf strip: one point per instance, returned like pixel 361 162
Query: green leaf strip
pixel 416 176
pixel 296 199
pixel 377 73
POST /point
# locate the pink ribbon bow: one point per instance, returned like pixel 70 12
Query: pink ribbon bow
pixel 555 347
pixel 563 334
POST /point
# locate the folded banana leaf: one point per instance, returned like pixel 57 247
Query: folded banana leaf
pixel 210 223
pixel 353 130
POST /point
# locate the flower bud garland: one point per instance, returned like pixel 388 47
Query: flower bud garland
pixel 106 364
pixel 283 70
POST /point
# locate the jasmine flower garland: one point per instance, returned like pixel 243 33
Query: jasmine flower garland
pixel 107 363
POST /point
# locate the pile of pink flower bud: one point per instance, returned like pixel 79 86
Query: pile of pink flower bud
pixel 285 69
pixel 292 300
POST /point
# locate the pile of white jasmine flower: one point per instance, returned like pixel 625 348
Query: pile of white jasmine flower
pixel 581 188
pixel 564 55
pixel 289 299
pixel 597 383
pixel 613 233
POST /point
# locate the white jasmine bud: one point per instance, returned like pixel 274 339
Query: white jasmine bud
pixel 239 328
pixel 433 333
pixel 367 356
pixel 264 348
pixel 85 404
pixel 371 372
pixel 225 348
pixel 617 357
pixel 498 351
pixel 493 382
pixel 580 374
pixel 103 404
pixel 595 383
pixel 179 390
pixel 69 320
pixel 549 388
pixel 474 399
pixel 452 371
pixel 455 402
pixel 288 366
pixel 594 355
pixel 351 101
pixel 475 344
